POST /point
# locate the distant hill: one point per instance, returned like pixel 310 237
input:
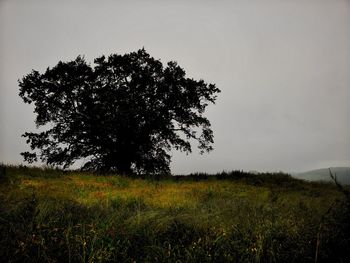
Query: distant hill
pixel 342 173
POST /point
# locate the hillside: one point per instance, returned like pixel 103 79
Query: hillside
pixel 55 216
pixel 342 174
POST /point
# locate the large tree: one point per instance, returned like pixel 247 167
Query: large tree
pixel 125 113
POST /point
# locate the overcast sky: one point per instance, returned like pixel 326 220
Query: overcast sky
pixel 283 67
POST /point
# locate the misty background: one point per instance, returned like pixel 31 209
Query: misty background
pixel 283 67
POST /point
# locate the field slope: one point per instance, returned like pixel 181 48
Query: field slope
pixel 55 216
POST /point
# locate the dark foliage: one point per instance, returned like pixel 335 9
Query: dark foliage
pixel 124 114
pixel 257 179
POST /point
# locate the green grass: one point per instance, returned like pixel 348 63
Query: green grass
pixel 54 216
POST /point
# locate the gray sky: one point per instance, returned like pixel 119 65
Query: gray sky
pixel 283 67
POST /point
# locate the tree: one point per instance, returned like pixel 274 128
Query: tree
pixel 124 114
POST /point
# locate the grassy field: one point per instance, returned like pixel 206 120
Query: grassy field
pixel 54 216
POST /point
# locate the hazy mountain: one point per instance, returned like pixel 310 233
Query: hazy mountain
pixel 342 174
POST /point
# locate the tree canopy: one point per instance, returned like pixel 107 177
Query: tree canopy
pixel 125 113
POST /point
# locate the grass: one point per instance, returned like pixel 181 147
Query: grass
pixel 54 216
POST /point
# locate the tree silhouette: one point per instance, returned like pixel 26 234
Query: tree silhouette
pixel 124 114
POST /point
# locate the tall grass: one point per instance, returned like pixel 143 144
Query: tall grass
pixel 54 216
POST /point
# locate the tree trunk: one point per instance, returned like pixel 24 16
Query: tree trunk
pixel 124 168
